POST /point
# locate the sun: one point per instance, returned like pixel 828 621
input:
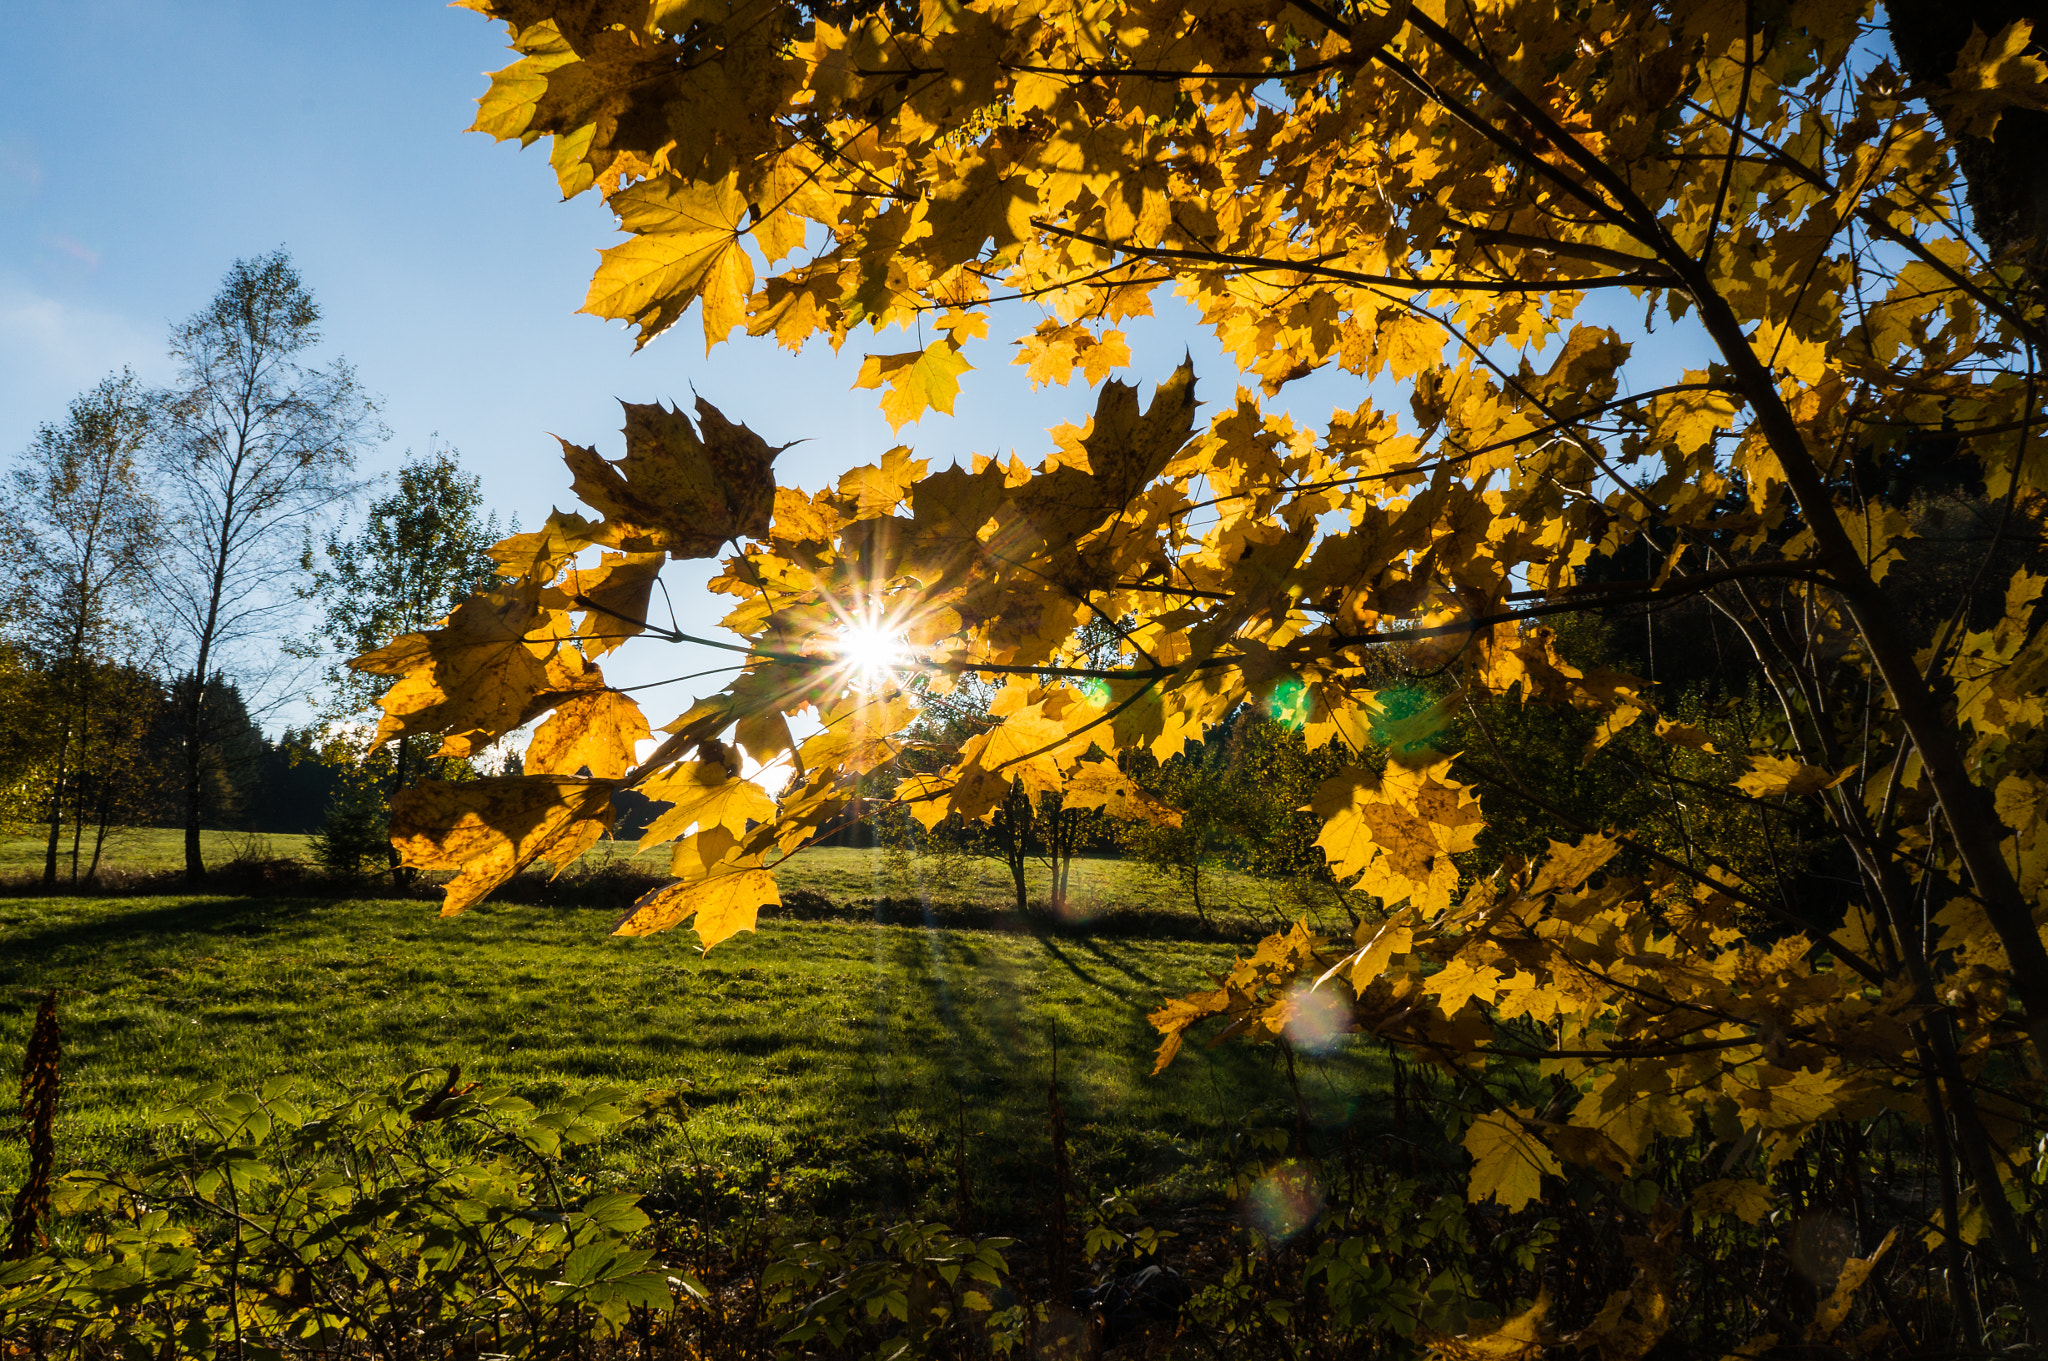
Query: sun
pixel 870 652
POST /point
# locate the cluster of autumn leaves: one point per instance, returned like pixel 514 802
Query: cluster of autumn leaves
pixel 1423 196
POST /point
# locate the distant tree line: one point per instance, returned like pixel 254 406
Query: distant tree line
pixel 170 557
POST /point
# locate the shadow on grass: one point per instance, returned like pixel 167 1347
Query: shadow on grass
pixel 107 932
pixel 615 885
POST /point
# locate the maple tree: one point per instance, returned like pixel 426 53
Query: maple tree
pixel 1427 196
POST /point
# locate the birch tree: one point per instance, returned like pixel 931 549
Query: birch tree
pixel 261 445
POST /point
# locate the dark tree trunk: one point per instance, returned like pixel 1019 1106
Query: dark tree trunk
pixel 99 840
pixel 56 810
pixel 2006 173
pixel 77 824
pixel 1016 820
pixel 401 875
pixel 1060 837
pixel 195 716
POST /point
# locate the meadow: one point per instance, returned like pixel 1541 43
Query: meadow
pixel 861 1060
pixel 131 850
pixel 843 875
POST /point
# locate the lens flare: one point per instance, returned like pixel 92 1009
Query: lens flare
pixel 1282 1203
pixel 1317 1020
pixel 1289 703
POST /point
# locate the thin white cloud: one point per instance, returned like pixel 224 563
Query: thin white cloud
pixel 51 350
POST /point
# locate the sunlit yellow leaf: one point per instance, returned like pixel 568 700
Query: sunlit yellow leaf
pixel 490 829
pixel 719 907
pixel 918 381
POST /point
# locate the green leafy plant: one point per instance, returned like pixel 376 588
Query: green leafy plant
pixel 915 1289
pixel 430 1217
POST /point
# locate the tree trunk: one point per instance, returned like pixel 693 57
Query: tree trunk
pixel 56 810
pixel 1061 836
pixel 77 824
pixel 99 840
pixel 2007 172
pixel 1016 847
pixel 195 714
pixel 401 875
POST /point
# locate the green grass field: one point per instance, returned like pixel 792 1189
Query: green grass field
pixel 141 849
pixel 807 1044
pixel 844 875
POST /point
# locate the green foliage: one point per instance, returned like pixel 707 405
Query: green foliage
pixel 354 839
pixel 1243 796
pixel 421 550
pixel 914 1289
pixel 1366 1277
pixel 23 742
pixel 432 1212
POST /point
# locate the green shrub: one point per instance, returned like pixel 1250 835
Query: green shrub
pixel 354 840
pixel 426 1219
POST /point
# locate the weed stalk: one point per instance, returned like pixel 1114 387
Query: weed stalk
pixel 39 1079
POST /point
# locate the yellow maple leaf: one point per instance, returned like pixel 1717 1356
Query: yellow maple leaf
pixel 1569 866
pixel 1993 74
pixel 614 595
pixel 1053 351
pixel 1398 830
pixel 918 380
pixel 1461 981
pixel 1099 784
pixel 1685 735
pixel 703 794
pixel 682 487
pixel 1774 776
pixel 1394 936
pixel 1508 1162
pixel 1691 419
pixel 719 907
pixel 599 730
pixel 687 246
pixel 506 110
pixel 490 668
pixel 490 829
pixel 878 488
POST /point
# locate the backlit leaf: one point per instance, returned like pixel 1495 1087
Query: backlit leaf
pixel 719 907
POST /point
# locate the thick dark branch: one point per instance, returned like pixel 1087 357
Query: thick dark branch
pixel 1654 1051
pixel 1140 72
pixel 1577 250
pixel 1674 589
pixel 1251 264
pixel 1806 569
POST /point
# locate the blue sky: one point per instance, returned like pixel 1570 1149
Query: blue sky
pixel 145 144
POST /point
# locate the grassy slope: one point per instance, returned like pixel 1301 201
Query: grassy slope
pixel 145 848
pixel 803 1038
